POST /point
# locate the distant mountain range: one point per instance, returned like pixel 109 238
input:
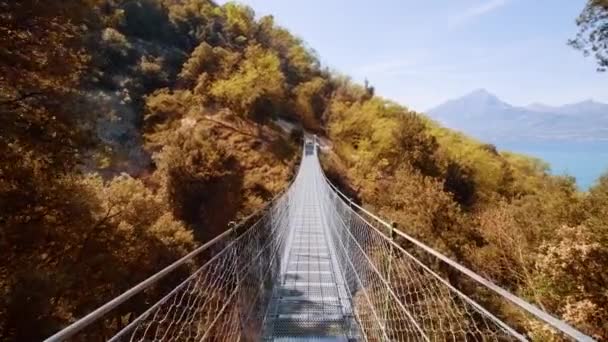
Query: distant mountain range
pixel 486 117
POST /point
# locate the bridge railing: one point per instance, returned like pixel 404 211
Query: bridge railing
pixel 395 292
pixel 222 299
pixel 398 296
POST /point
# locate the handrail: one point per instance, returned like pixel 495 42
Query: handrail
pixel 438 277
pixel 182 284
pixel 528 307
pixel 87 320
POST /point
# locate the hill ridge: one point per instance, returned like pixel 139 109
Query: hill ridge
pixel 486 116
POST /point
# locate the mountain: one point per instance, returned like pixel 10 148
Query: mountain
pixel 484 115
pixel 587 108
pixel 540 107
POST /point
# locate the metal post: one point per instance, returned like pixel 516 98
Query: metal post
pixel 235 234
pixel 352 329
pixel 391 234
pixel 349 226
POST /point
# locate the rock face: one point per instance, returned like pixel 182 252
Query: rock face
pixel 485 116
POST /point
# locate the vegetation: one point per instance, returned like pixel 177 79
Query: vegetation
pixel 592 38
pixel 133 130
pixel 499 213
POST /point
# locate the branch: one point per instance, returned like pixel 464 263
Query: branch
pixel 80 253
pixel 20 98
pixel 89 234
pixel 225 125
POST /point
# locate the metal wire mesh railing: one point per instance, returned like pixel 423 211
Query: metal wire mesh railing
pixel 222 300
pixel 225 299
pixel 398 297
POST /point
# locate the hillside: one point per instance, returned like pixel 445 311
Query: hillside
pixel 138 129
pixel 133 131
pixel 486 117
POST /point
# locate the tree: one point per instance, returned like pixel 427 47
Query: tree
pixel 369 89
pixel 298 62
pixel 78 243
pixel 572 276
pixel 240 21
pixel 417 147
pixel 459 181
pixel 200 179
pixel 201 59
pixel 256 88
pixel 431 215
pixel 207 63
pixel 148 20
pixel 38 110
pixel 592 38
pixel 311 98
pixel 42 132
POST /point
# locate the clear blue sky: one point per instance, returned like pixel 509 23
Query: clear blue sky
pixel 423 52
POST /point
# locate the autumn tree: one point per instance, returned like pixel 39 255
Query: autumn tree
pixel 417 147
pixel 41 137
pixel 571 275
pixel 310 101
pixel 298 62
pixel 58 224
pixel 572 278
pixel 239 21
pixel 37 88
pixel 196 174
pixel 255 88
pixel 207 64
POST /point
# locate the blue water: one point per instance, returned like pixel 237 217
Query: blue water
pixel 586 161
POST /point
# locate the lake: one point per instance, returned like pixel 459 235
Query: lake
pixel 584 160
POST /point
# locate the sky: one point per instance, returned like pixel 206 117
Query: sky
pixel 421 53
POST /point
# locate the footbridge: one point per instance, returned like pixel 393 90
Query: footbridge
pixel 315 266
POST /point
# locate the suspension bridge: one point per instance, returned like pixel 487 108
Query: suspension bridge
pixel 315 266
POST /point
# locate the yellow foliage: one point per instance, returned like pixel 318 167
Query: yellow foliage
pixel 240 19
pixel 257 83
pixel 310 102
